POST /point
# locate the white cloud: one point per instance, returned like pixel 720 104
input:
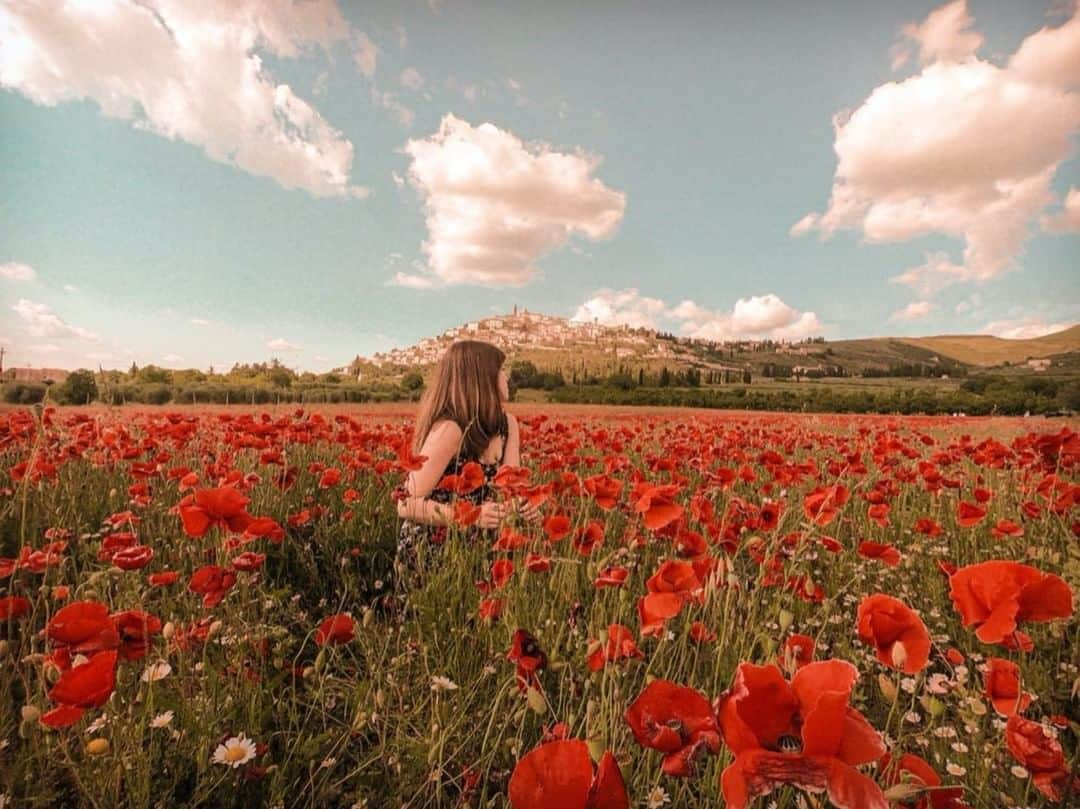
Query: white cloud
pixel 1023 328
pixel 172 359
pixel 964 148
pixel 366 55
pixel 413 281
pixel 494 204
pixel 17 271
pixel 41 321
pixel 198 321
pixel 411 78
pixel 70 288
pixel 756 317
pixel 1068 220
pixel 916 310
pixel 624 307
pixel 281 344
pixel 187 70
pixel 943 35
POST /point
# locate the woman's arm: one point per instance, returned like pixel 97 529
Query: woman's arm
pixel 440 446
pixel 512 455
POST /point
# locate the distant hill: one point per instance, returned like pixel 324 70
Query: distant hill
pixel 582 350
pixel 984 350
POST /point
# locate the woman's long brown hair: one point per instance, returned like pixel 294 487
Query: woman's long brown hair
pixel 465 390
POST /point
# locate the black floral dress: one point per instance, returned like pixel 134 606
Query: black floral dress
pixel 413 534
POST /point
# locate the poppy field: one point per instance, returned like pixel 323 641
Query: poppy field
pixel 202 607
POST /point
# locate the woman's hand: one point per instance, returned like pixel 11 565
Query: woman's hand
pixel 527 511
pixel 492 514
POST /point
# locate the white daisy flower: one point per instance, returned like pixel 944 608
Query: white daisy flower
pixel 440 683
pixel 235 751
pixel 162 719
pixel 156 671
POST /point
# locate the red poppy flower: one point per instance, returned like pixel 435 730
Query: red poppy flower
pixel 605 490
pixel 223 507
pixel 699 633
pixel 619 645
pixel 657 504
pixel 823 503
pixel 134 558
pixel 330 478
pixel 135 629
pixel 611 577
pixel 1002 687
pixel 248 561
pixel 335 630
pixel 1041 755
pixel 560 774
pixel 1007 528
pixel 212 582
pixel 88 685
pixel 797 652
pixel 879 513
pixel 502 570
pixel 491 608
pixel 886 554
pixel 265 528
pixel 12 607
pixel 529 658
pixel 535 563
pixel 678 577
pixel 466 513
pixel 969 514
pixel 954 656
pixel 924 525
pixel 469 480
pixel 656 609
pixel 676 720
pixel 83 627
pixel 589 538
pixel 163 579
pixel 896 632
pixel 803 733
pixel 998 595
pixel 556 527
pixel 913 770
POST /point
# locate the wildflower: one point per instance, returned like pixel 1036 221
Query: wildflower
pixel 156 671
pixel 234 752
pixel 440 683
pixel 162 720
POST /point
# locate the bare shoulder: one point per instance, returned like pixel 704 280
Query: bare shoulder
pixel 445 431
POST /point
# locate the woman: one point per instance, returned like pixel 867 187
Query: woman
pixel 461 419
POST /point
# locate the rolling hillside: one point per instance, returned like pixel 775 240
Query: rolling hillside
pixel 984 350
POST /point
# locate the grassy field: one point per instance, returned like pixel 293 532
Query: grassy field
pixel 201 607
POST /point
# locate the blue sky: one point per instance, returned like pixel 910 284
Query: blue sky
pixel 693 137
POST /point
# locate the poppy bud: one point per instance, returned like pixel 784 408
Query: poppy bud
pixel 787 617
pixel 97 747
pixel 536 700
pixel 903 792
pixel 888 689
pixel 168 630
pixel 368 617
pixel 30 713
pixel 899 655
pixel 5 647
pixel 214 629
pixel 596 748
